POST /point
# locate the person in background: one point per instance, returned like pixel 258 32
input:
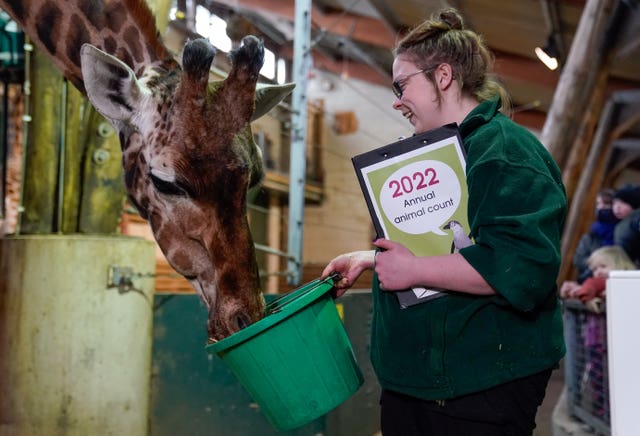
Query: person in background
pixel 600 235
pixel 626 207
pixel 601 262
pixel 477 360
pixel 592 294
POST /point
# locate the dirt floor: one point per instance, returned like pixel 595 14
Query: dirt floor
pixel 543 420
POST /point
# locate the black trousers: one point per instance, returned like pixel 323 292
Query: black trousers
pixel 505 410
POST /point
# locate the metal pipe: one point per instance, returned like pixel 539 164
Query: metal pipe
pixel 270 250
pixel 297 165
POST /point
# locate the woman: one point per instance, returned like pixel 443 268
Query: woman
pixel 476 361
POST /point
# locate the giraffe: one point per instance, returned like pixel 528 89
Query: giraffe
pixel 187 149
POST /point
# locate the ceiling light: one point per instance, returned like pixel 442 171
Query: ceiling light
pixel 549 54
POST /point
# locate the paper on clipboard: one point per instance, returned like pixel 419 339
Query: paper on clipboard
pixel 416 193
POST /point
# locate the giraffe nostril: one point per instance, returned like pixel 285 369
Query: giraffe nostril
pixel 242 320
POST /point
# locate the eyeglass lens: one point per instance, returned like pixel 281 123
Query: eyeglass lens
pixel 397 88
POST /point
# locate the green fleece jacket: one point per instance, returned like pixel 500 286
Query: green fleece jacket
pixel 461 343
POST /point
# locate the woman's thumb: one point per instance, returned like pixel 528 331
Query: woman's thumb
pixel 383 243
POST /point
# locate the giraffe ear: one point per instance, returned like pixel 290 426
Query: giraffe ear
pixel 111 85
pixel 267 96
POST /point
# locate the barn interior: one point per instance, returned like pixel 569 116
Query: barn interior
pixel 62 178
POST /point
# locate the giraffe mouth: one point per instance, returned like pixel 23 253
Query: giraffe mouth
pixel 222 325
pixel 230 308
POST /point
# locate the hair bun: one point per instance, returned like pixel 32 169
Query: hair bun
pixel 452 19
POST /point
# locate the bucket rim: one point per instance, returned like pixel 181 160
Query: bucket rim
pixel 295 301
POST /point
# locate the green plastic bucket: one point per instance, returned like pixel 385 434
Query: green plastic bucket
pixel 297 362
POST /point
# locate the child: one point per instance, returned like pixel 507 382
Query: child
pixel 601 262
pixel 592 292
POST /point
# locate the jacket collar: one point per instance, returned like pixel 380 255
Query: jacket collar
pixel 482 114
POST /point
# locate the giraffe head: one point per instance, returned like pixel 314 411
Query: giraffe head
pixel 188 152
pixel 189 159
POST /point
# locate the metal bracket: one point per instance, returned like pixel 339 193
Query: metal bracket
pixel 121 277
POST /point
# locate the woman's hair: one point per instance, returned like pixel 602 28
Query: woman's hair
pixel 612 255
pixel 444 39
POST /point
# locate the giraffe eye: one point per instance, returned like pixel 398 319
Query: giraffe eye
pixel 168 188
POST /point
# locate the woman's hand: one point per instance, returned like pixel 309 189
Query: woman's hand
pixel 394 265
pixel 399 269
pixel 349 266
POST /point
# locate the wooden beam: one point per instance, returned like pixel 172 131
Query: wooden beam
pixel 340 67
pixel 353 26
pixel 278 182
pixel 526 69
pixel 386 10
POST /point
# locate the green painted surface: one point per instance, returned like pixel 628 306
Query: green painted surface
pixel 194 393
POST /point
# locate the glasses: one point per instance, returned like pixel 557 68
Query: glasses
pixel 397 87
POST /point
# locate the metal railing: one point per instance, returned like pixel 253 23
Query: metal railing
pixel 586 368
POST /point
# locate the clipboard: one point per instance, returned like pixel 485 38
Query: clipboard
pixel 416 193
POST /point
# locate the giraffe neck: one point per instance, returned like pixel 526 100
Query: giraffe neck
pixel 124 28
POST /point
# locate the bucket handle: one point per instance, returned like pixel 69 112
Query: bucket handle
pixel 276 305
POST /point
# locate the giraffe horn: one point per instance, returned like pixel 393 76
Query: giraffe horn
pixel 197 57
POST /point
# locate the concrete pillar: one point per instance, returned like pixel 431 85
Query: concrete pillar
pixel 75 352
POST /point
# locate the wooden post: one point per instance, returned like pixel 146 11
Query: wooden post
pixel 40 178
pixel 573 170
pixel 577 80
pixel 592 180
pixel 581 184
pixel 274 235
pixel 160 9
pixel 85 192
pixel 103 190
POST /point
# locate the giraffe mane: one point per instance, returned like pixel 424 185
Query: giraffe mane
pixel 147 26
pixel 100 23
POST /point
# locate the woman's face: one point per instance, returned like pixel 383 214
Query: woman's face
pixel 419 102
pixel 621 209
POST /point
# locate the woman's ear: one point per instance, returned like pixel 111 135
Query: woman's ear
pixel 444 76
